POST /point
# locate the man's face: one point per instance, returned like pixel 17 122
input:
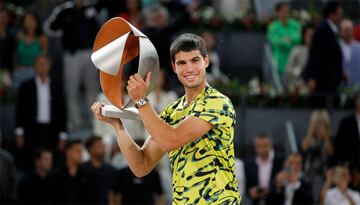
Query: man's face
pixel 190 68
pixel 42 66
pixel 337 16
pixel 263 147
pixel 346 31
pixel 283 12
pixel 97 150
pixel 45 162
pixel 75 153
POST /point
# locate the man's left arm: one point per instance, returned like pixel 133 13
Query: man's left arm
pixel 167 137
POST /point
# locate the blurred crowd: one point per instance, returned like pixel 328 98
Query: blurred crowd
pixel 46 164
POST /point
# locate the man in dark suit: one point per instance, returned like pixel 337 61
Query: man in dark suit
pixel 347 140
pixel 323 72
pixel 260 171
pixel 40 113
pixel 289 188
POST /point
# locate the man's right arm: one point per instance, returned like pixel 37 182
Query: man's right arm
pixel 141 160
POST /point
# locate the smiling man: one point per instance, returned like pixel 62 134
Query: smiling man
pixel 196 131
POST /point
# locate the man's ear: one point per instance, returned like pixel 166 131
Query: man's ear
pixel 206 60
pixel 173 67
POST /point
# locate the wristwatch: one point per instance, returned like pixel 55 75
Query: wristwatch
pixel 141 102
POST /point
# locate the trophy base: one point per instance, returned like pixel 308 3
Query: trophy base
pixel 130 113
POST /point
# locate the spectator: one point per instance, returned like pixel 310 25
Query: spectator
pixel 260 171
pixel 7 175
pixel 7 42
pixel 213 72
pixel 128 187
pixel 35 188
pixel 40 113
pixel 297 61
pixel 351 53
pixel 72 184
pixel 283 34
pixel 133 13
pixel 78 25
pixel 347 141
pixel 341 194
pixel 323 71
pixel 317 148
pixel 102 173
pixel 31 42
pixel 289 187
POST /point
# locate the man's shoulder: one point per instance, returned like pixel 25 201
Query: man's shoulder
pixel 214 96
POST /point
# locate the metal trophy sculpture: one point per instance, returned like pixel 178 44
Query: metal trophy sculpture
pixel 117 43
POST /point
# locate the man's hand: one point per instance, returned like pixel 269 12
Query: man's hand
pixel 137 87
pixel 96 108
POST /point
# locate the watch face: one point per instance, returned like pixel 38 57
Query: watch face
pixel 142 101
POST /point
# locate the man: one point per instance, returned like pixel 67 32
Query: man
pixel 202 159
pixel 260 171
pixel 289 188
pixel 72 184
pixel 351 53
pixel 40 113
pixel 283 34
pixel 78 24
pixel 323 72
pixel 102 173
pixel 35 188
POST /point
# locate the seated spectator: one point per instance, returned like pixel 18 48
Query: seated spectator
pixel 213 72
pixel 36 187
pixel 260 170
pixel 71 183
pixel 347 140
pixel 351 53
pixel 317 149
pixel 283 34
pixel 289 187
pixel 7 175
pixel 297 61
pixel 103 174
pixel 132 190
pixel 40 114
pixel 341 194
pixel 31 42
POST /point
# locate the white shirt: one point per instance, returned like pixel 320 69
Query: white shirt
pixel 346 50
pixel 43 100
pixel 264 171
pixel 335 197
pixel 332 26
pixel 290 191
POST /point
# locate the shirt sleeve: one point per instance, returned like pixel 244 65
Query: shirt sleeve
pixel 217 110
